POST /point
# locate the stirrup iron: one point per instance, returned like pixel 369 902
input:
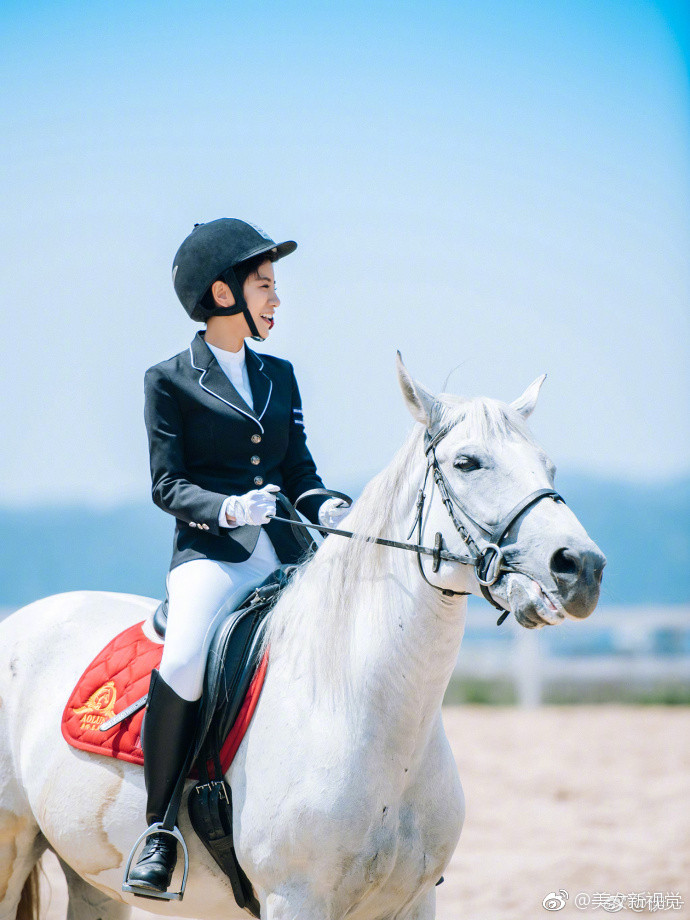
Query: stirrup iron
pixel 132 887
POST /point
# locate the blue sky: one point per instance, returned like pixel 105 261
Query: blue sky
pixel 501 188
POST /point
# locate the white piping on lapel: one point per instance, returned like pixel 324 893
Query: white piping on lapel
pixel 270 387
pixel 212 393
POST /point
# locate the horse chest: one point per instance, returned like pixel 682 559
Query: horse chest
pixel 401 859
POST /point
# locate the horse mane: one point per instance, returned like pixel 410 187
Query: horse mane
pixel 313 623
pixel 314 619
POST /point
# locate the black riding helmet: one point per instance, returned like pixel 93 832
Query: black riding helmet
pixel 211 253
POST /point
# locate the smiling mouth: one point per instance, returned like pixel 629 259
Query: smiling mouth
pixel 268 319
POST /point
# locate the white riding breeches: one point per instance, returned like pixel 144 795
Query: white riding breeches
pixel 198 592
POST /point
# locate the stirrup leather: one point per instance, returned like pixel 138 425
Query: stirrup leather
pixel 143 892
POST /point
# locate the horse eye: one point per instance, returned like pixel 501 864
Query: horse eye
pixel 467 464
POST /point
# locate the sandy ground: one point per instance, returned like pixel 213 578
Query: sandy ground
pixel 585 799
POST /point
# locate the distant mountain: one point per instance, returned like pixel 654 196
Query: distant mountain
pixel 643 529
pixel 45 551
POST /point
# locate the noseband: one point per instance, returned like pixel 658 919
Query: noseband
pixel 488 559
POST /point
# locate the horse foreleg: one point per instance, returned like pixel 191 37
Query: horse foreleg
pixel 21 846
pixel 294 904
pixel 88 903
pixel 422 909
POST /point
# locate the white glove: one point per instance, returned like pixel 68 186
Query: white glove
pixel 332 512
pixel 255 507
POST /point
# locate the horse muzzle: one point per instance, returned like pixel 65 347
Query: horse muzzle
pixel 576 574
pixel 567 588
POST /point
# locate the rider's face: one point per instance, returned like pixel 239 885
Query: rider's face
pixel 262 300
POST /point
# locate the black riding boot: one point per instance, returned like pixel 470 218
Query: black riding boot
pixel 168 734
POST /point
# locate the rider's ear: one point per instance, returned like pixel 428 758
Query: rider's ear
pixel 222 294
pixel 524 405
pixel 419 401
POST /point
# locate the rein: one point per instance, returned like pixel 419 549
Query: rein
pixel 488 560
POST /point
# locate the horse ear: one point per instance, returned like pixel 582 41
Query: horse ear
pixel 524 405
pixel 419 401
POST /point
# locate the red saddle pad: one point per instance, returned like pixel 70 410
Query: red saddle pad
pixel 118 676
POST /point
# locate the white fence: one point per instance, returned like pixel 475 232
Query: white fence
pixel 576 651
pixel 571 651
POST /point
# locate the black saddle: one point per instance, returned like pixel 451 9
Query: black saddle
pixel 232 661
pixel 234 656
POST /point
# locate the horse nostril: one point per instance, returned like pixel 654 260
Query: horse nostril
pixel 577 573
pixel 565 565
pixel 598 563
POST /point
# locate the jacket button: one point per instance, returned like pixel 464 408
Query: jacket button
pixel 258 480
pixel 192 524
pixel 256 439
pixel 255 460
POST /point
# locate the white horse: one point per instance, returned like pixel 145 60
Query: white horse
pixel 347 801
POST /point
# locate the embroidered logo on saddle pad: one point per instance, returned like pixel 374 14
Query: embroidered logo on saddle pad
pixel 117 677
pixel 99 707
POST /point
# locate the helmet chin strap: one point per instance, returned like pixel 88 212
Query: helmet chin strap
pixel 252 325
pixel 240 305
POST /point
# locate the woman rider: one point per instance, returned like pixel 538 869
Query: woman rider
pixel 226 433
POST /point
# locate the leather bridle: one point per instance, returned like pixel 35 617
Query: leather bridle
pixel 486 554
pixel 488 560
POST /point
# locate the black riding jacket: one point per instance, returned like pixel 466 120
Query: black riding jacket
pixel 206 443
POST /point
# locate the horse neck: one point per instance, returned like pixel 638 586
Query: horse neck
pixel 362 626
pixel 405 651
